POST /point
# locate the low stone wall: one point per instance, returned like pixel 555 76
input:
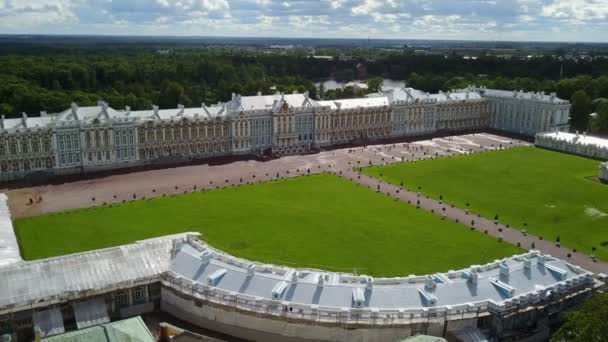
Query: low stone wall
pixel 268 328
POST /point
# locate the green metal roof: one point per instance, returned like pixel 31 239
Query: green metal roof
pixel 423 338
pixel 128 330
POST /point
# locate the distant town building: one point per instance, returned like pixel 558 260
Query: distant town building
pixel 95 138
pixel 356 85
pixel 281 47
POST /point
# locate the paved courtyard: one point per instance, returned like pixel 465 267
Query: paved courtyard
pixel 155 183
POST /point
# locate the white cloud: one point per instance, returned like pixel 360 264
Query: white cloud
pixel 366 7
pixel 187 5
pixel 462 19
pixel 576 9
pixel 35 13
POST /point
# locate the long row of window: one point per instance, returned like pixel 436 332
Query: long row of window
pixel 26 165
pixel 25 145
pixel 152 135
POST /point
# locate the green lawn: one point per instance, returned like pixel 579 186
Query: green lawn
pixel 318 221
pixel 556 194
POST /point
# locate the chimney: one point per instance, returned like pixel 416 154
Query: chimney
pixel 429 283
pixel 2 122
pixel 155 109
pixel 474 278
pixel 369 283
pixel 233 96
pixel 259 93
pixel 24 119
pixel 128 110
pixel 75 110
pixel 181 109
pixel 104 106
pixel 504 269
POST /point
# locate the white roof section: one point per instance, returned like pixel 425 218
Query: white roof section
pixel 181 112
pixel 456 96
pixel 26 122
pixel 9 249
pixel 406 94
pixel 359 85
pixel 580 139
pixel 36 283
pixel 520 94
pixel 366 102
pixel 521 277
pixel 411 95
pixel 269 102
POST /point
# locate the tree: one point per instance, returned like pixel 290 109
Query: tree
pixel 588 324
pixel 171 93
pixel 580 110
pixel 600 123
pixel 6 109
pixel 374 85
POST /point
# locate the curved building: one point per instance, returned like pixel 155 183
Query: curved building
pixel 509 298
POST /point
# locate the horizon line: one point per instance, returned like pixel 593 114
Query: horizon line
pixel 299 37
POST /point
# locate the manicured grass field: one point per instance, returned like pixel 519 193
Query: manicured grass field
pixel 556 194
pixel 318 221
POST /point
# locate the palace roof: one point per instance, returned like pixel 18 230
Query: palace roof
pixel 580 139
pixel 523 276
pixel 366 102
pixel 537 96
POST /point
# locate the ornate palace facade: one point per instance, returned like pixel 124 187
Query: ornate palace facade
pixel 88 139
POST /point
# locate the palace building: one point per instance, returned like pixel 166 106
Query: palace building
pixel 526 113
pixel 97 138
pixel 574 143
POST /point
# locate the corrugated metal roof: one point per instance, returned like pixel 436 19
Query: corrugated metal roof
pixel 398 294
pixel 9 249
pixel 577 138
pixel 128 330
pixel 366 102
pixel 32 283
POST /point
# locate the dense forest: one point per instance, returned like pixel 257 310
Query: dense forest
pixel 31 82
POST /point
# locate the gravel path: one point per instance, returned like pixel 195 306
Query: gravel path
pixel 155 183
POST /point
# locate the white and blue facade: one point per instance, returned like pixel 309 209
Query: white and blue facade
pixel 526 113
pixel 89 139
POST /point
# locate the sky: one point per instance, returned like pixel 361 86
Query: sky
pixel 517 20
